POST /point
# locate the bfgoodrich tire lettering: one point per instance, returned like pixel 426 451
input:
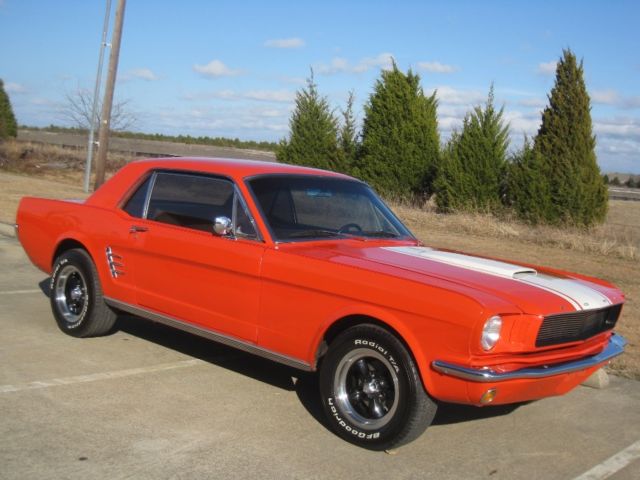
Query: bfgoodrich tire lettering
pixel 371 389
pixel 76 296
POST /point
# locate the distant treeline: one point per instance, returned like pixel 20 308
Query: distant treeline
pixel 214 141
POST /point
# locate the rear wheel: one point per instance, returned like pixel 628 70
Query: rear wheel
pixel 76 296
pixel 371 389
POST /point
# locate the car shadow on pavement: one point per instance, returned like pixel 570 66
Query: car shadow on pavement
pixel 449 413
pixel 304 384
pixel 45 286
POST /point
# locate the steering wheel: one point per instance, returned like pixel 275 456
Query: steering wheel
pixel 350 228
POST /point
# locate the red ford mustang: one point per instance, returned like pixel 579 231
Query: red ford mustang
pixel 310 268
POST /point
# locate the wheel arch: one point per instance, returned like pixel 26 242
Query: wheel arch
pixel 393 326
pixel 66 245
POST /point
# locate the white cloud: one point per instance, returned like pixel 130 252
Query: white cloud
pixel 522 122
pixel 12 87
pixel 229 122
pixel 618 143
pixel 453 96
pixel 342 65
pixel 606 97
pixel 142 74
pixel 41 101
pixel 630 102
pixel 547 68
pixel 285 43
pixel 337 65
pixel 270 95
pixel 613 98
pixel 292 80
pixel 436 67
pixel 618 127
pixel 215 68
pixel 533 102
pixel 383 61
pixel 270 112
pixel 278 96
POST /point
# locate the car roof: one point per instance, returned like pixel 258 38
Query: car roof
pixel 237 168
pixel 112 192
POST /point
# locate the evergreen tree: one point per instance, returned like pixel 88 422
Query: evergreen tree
pixel 605 179
pixel 314 128
pixel 527 187
pixel 615 182
pixel 8 124
pixel 400 144
pixel 566 143
pixel 630 183
pixel 472 170
pixel 347 141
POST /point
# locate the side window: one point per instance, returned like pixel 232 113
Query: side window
pixel 135 204
pixel 191 201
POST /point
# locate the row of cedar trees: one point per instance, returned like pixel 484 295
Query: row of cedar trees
pixel 553 179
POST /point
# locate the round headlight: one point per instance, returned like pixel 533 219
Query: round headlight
pixel 491 332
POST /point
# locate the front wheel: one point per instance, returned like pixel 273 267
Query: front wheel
pixel 76 296
pixel 371 389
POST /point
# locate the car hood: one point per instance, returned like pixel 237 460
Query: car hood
pixel 536 290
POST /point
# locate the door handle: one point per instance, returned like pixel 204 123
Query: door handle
pixel 137 229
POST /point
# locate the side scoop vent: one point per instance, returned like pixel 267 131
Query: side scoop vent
pixel 116 267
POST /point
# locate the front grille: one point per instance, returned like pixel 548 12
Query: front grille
pixel 575 326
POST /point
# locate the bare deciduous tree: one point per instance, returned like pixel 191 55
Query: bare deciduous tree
pixel 77 110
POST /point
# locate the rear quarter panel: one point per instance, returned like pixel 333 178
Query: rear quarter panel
pixel 44 224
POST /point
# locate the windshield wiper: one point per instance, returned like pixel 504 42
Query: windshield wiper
pixel 380 234
pixel 315 233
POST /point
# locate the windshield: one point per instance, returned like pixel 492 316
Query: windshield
pixel 299 207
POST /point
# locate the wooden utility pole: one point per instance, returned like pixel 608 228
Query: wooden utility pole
pixel 96 91
pixel 105 119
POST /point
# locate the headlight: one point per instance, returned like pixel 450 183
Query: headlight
pixel 491 332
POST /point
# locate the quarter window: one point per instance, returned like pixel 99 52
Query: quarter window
pixel 135 204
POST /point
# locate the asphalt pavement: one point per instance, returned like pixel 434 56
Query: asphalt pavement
pixel 151 402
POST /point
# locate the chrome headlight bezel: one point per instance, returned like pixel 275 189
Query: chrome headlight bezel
pixel 491 332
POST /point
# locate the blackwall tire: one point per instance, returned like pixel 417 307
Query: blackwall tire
pixel 371 389
pixel 76 296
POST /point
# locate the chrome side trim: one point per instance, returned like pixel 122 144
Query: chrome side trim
pixel 147 197
pixel 209 334
pixel 485 375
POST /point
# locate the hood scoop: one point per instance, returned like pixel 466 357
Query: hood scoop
pixel 477 264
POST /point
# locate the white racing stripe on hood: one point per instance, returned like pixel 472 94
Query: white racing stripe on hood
pixel 580 296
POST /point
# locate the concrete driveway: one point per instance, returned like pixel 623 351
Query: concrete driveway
pixel 150 402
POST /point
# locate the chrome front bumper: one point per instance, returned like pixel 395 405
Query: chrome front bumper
pixel 485 375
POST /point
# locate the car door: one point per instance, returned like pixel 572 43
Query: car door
pixel 184 270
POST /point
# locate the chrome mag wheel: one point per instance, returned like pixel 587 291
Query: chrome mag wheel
pixel 366 387
pixel 70 293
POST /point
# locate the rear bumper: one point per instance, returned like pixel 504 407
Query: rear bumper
pixel 486 375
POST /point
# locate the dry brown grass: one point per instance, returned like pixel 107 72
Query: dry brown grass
pixel 36 159
pixel 619 236
pixel 610 251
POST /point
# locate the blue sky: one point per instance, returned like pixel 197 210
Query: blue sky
pixel 223 68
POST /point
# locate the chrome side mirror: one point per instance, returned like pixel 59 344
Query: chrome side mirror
pixel 222 226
